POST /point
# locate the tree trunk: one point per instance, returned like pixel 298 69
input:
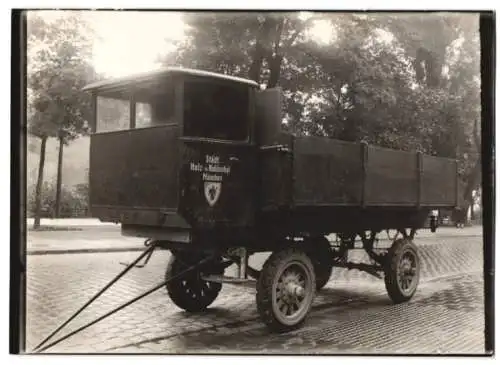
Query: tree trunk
pixel 472 182
pixel 428 67
pixel 276 59
pixel 57 211
pixel 472 215
pixel 259 53
pixel 275 70
pixel 38 191
pixel 256 66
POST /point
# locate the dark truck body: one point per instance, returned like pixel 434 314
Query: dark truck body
pixel 158 182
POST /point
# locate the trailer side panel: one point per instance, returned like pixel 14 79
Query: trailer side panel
pixel 326 172
pixel 329 172
pixel 392 177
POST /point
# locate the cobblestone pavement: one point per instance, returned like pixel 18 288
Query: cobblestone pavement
pixel 363 321
pixel 352 314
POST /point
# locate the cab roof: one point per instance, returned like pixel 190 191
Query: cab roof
pixel 153 75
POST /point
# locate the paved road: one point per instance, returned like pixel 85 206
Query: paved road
pixel 352 314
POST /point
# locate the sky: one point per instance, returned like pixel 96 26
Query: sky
pixel 129 42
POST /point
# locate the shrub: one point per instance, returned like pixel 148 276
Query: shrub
pixel 74 201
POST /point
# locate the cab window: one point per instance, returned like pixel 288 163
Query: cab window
pixel 154 106
pixel 113 114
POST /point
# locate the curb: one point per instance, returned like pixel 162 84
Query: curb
pixel 84 250
pixel 76 228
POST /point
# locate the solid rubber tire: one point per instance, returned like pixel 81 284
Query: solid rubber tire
pixel 394 255
pixel 322 261
pixel 265 287
pixel 177 292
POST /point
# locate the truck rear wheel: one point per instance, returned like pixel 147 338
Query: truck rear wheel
pixel 190 292
pixel 285 290
pixel 321 256
pixel 402 271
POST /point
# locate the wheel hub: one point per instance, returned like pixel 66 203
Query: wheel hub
pixel 292 287
pixel 407 271
pixel 291 292
pixel 407 267
pixel 294 290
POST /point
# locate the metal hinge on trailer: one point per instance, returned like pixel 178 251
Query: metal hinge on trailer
pixel 277 147
pixel 151 246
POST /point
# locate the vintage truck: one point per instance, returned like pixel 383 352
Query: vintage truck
pixel 197 163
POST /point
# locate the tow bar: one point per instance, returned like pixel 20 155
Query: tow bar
pixel 151 246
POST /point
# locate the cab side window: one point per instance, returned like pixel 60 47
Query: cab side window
pixel 112 114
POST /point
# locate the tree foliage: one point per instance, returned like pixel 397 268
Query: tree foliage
pixel 59 55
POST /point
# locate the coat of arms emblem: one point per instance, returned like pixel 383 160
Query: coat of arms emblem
pixel 212 192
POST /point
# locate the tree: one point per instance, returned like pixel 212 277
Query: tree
pixel 58 67
pixel 450 63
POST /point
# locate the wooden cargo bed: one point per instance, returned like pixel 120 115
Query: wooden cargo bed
pixel 333 173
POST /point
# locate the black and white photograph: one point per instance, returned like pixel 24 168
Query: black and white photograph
pixel 255 182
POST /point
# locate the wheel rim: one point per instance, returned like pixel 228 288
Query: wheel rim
pixel 407 273
pixel 292 293
pixel 196 288
pixel 192 285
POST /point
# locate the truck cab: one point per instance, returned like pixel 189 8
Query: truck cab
pixel 174 152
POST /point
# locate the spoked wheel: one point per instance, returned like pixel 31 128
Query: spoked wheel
pixel 285 290
pixel 190 292
pixel 402 271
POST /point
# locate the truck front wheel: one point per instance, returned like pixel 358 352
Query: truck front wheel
pixel 189 291
pixel 286 289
